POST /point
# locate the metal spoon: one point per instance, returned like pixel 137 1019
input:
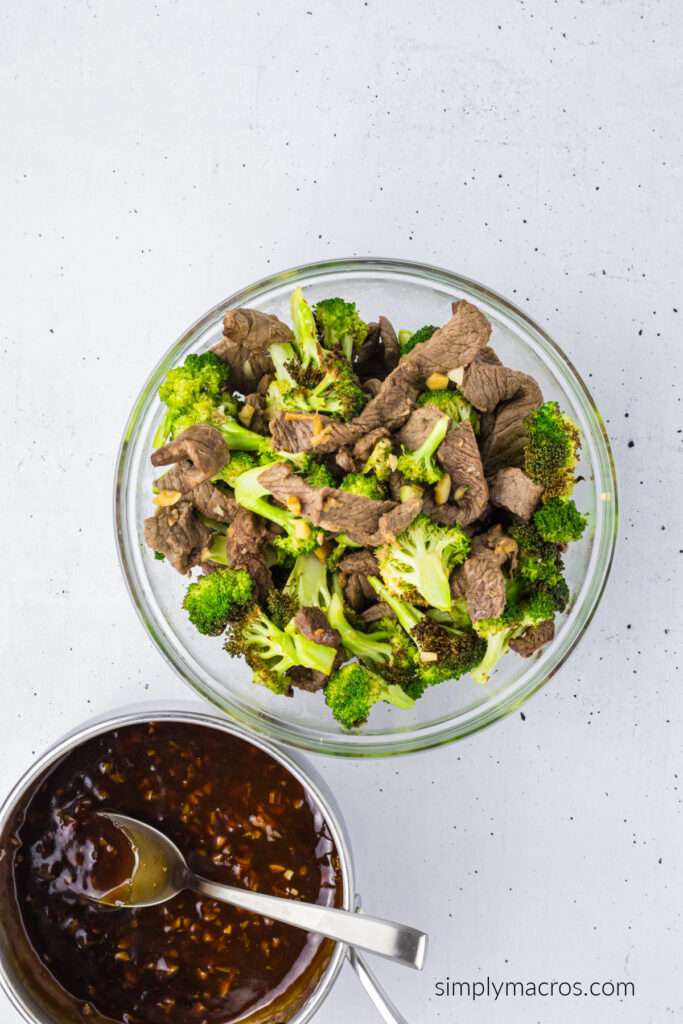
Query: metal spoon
pixel 160 872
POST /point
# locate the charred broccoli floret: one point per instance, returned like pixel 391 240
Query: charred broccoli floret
pixel 538 561
pixel 352 692
pixel 298 538
pixel 560 521
pixel 417 566
pixel 334 393
pixel 453 403
pixel 378 461
pixel 340 326
pixel 552 451
pixel 272 651
pixel 420 465
pixel 512 623
pixel 211 600
pixel 193 393
pixel 407 340
pixel 368 486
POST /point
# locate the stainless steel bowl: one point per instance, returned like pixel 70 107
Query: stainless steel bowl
pixel 20 969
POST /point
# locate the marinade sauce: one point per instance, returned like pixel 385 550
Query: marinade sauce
pixel 237 815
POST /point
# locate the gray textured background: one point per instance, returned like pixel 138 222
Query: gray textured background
pixel 158 156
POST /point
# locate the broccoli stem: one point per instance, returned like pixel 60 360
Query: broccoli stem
pixel 393 694
pixel 303 323
pixel 217 552
pixel 307 583
pixel 240 439
pixel 282 353
pixel 405 613
pixel 429 446
pixel 252 495
pixel 368 646
pixel 163 431
pixel 496 647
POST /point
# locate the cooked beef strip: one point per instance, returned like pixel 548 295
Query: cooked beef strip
pixel 368 361
pixel 247 337
pixel 453 345
pixel 487 355
pixel 208 499
pixel 503 547
pixel 201 445
pixel 378 611
pixel 533 638
pixel 366 521
pixel 459 456
pixel 314 626
pixel 486 385
pixel 176 532
pixel 360 561
pixel 418 426
pixel 485 588
pixel 244 548
pixel 512 489
pixel 345 461
pixel 458 583
pixel 259 421
pixel 372 387
pixel 362 449
pixel 308 679
pixel 390 345
pixel 354 592
pixel 504 445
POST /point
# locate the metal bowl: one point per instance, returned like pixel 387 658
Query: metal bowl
pixel 22 975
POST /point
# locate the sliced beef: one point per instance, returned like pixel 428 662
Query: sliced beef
pixel 258 422
pixel 533 638
pixel 458 583
pixel 208 499
pixel 368 361
pixel 391 350
pixel 419 426
pixel 202 446
pixel 377 611
pixel 393 523
pixel 244 548
pixel 264 383
pixel 313 623
pixel 459 456
pixel 504 444
pixel 512 489
pixel 455 344
pixel 487 355
pixel 485 588
pixel 372 387
pixel 360 561
pixel 247 337
pixel 497 542
pixel 295 432
pixel 308 679
pixel 345 461
pixel 177 533
pixel 486 385
pixel 362 449
pixel 366 521
pixel 355 592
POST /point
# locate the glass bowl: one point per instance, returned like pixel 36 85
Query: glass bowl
pixel 410 295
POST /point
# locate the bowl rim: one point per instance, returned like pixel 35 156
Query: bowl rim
pixel 388 744
pixel 192 714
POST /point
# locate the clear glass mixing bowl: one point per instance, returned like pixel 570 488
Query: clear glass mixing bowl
pixel 410 295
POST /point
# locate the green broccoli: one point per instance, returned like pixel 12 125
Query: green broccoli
pixel 560 521
pixel 193 393
pixel 408 340
pixel 211 600
pixel 240 462
pixel 298 538
pixel 335 393
pixel 379 462
pixel 318 475
pixel 303 323
pixel 340 325
pixel 352 691
pixel 240 439
pixel 512 623
pixel 420 465
pixel 272 651
pixel 455 404
pixel 285 360
pixel 552 451
pixel 217 552
pixel 307 583
pixel 368 486
pixel 371 646
pixel 538 561
pixel 417 566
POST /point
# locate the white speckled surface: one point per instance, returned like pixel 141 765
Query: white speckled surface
pixel 158 156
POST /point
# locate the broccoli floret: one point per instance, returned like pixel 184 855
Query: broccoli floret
pixel 272 651
pixel 417 566
pixel 378 461
pixel 512 623
pixel 284 360
pixel 538 560
pixel 240 439
pixel 160 556
pixel 352 691
pixel 408 341
pixel 340 325
pixel 240 462
pixel 211 600
pixel 303 323
pixel 191 394
pixel 444 651
pixel 368 486
pixel 307 583
pixel 420 465
pixel 298 538
pixel 552 451
pixel 280 607
pixel 560 521
pixel 371 647
pixel 455 404
pixel 335 393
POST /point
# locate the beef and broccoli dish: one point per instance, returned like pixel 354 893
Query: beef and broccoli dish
pixel 371 513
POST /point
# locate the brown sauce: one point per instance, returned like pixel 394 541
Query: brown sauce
pixel 238 817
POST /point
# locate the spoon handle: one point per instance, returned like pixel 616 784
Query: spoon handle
pixel 379 998
pixel 397 942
